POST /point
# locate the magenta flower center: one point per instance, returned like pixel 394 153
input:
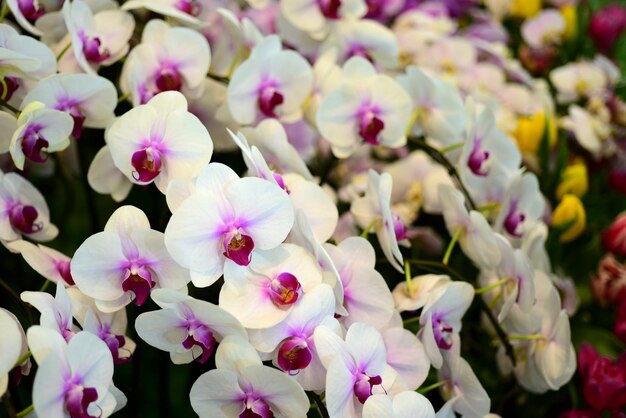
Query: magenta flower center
pixel 78 398
pixel 255 407
pixel 330 8
pixel 399 228
pixel 443 332
pixel 114 342
pixel 139 281
pixel 238 247
pixel 31 9
pixel 199 335
pixel 284 289
pixel 191 7
pixel 33 144
pixel 364 384
pixel 63 267
pixel 93 49
pixel 12 84
pixel 477 159
pixel 23 218
pixel 294 354
pixel 147 164
pixel 513 221
pixel 168 79
pixel 269 99
pixel 370 126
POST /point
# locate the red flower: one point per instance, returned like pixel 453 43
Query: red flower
pixel 614 238
pixel 604 380
pixel 607 25
pixel 609 286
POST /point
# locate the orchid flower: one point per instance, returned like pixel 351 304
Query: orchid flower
pixel 290 343
pixel 12 346
pixel 109 327
pixel 364 107
pixel 190 12
pixel 88 99
pixel 159 64
pixel 414 295
pixel 474 233
pixel 271 83
pixel 239 386
pixel 124 262
pixel 356 367
pixel 28 12
pixel 99 39
pixel 56 312
pixel 366 296
pixel 188 328
pixel 105 178
pixel 438 107
pixel 463 390
pixel 23 211
pixel 159 141
pixel 441 319
pixel 74 379
pixel 226 218
pixel 39 131
pixel 373 212
pixel 262 293
pixel 316 17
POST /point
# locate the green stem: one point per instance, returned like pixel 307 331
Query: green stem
pixel 19 300
pixel 3 103
pixel 5 88
pixel 23 358
pixel 455 238
pixel 320 405
pixel 452 147
pixel 63 51
pixel 492 286
pixel 25 412
pixel 368 228
pixel 526 337
pixel 123 97
pixel 411 320
pixel 407 276
pixel 4 10
pixel 45 286
pixel 431 387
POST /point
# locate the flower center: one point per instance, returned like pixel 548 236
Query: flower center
pixel 284 289
pixel 269 98
pixel 23 218
pixel 238 247
pixel 93 49
pixel 477 158
pixel 399 228
pixel 330 8
pixel 513 221
pixel 63 267
pixel 31 9
pixel 139 281
pixel 147 164
pixel 294 354
pixel 114 342
pixel 443 333
pixel 77 400
pixel 199 335
pixel 364 385
pixel 191 7
pixel 370 126
pixel 255 407
pixel 168 79
pixel 11 84
pixel 33 144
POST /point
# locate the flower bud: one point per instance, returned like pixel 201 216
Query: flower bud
pixel 573 180
pixel 570 217
pixel 531 130
pixel 614 238
pixel 607 25
pixel 609 284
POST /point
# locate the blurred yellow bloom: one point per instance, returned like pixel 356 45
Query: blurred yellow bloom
pixel 571 21
pixel 525 8
pixel 573 180
pixel 569 214
pixel 530 130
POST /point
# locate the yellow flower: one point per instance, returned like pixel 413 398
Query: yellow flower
pixel 573 180
pixel 525 8
pixel 569 215
pixel 571 21
pixel 530 131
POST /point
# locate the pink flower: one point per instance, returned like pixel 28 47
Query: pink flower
pixel 604 380
pixel 607 25
pixel 608 285
pixel 614 238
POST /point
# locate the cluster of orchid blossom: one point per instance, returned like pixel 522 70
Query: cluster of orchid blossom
pixel 412 114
